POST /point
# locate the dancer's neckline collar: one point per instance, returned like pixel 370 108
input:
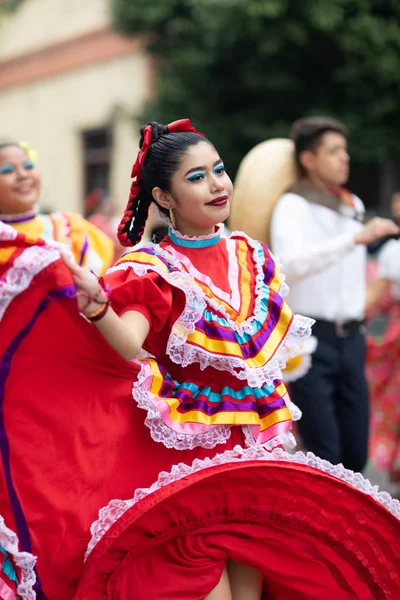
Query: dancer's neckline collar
pixel 21 217
pixel 195 241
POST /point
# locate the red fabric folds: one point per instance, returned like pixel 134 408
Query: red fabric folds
pixel 313 536
pixel 72 439
pixel 76 437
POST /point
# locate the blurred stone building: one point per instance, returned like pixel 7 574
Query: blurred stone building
pixel 70 87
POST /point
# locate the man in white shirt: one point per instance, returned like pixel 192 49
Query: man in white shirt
pixel 318 236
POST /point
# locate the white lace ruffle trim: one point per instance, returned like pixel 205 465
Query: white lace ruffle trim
pixel 116 508
pixel 29 263
pixel 24 560
pixel 160 432
pixel 294 409
pixel 286 440
pixel 305 352
pixel 7 232
pixel 219 434
pixel 183 353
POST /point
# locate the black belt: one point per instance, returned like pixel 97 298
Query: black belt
pixel 339 329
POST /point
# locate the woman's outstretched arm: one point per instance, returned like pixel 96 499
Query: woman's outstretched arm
pixel 125 333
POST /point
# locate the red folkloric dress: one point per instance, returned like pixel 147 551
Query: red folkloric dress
pixel 158 470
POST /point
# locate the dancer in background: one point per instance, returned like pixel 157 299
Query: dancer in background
pixel 383 365
pixel 20 185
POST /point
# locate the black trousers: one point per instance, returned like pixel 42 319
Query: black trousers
pixel 333 397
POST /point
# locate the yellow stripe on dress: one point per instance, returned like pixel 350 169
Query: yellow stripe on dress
pixel 5 254
pixel 144 259
pixel 222 418
pixel 33 229
pixel 245 281
pixel 222 347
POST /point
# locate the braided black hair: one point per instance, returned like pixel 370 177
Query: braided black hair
pixel 162 161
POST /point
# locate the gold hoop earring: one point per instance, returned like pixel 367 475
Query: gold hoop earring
pixel 172 217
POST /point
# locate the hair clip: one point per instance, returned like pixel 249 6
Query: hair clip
pixel 33 155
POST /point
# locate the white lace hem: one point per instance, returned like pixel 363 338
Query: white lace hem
pixel 116 508
pixel 24 560
pixel 217 434
pixel 283 439
pixel 160 432
pixel 185 354
pixel 294 410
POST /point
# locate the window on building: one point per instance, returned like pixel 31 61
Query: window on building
pixel 97 153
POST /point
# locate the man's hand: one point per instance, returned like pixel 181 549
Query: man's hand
pixel 376 229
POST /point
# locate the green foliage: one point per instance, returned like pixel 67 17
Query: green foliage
pixel 9 5
pixel 243 70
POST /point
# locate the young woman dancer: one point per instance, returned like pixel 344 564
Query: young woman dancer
pixel 198 323
pixel 20 187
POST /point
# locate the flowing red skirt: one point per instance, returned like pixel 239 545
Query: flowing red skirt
pixel 313 537
pixel 72 439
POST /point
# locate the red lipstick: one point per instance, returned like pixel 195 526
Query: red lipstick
pixel 220 201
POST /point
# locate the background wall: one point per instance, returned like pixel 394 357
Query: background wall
pixel 63 71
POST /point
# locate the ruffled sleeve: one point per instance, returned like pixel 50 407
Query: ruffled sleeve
pixel 149 294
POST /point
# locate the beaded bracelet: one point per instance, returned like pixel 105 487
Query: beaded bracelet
pixel 104 303
pixel 99 314
pixel 103 289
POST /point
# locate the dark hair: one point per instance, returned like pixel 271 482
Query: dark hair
pixel 162 160
pixel 8 144
pixel 307 133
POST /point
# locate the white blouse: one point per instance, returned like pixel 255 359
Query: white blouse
pixel 325 269
pixel 389 265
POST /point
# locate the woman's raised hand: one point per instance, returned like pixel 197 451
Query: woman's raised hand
pixel 90 293
pixel 125 333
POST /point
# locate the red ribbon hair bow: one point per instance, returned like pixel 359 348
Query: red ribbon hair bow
pixel 174 127
pixel 182 125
